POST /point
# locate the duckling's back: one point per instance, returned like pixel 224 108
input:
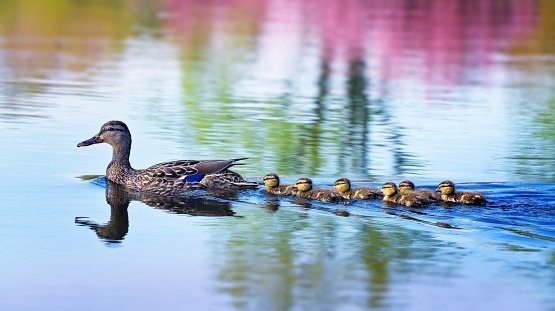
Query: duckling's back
pixel 324 195
pixel 469 197
pixel 366 193
pixel 411 199
pixel 282 190
pixel 427 195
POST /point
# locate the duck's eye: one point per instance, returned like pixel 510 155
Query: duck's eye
pixel 110 129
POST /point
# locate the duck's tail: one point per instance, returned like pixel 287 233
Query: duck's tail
pixel 234 162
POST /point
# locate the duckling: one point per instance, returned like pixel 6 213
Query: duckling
pixel 448 194
pixel 427 195
pixel 304 190
pixel 392 195
pixel 272 185
pixel 343 185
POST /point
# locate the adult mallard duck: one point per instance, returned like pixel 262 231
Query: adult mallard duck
pixel 272 185
pixel 168 178
pixel 304 190
pixel 448 194
pixel 343 186
pixel 429 196
pixel 392 195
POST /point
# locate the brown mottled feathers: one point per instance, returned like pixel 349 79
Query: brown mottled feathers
pixel 226 179
pixel 181 168
pixel 169 178
pixel 324 195
pixel 427 194
pixel 409 199
pixel 281 190
pixel 468 197
pixel 363 193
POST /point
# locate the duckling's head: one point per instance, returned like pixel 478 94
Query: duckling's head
pixel 271 180
pixel 446 187
pixel 303 184
pixel 389 189
pixel 342 185
pixel 406 186
pixel 115 133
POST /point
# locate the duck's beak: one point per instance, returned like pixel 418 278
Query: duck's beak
pixel 92 141
pixel 437 190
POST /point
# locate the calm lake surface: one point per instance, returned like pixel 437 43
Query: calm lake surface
pixel 370 90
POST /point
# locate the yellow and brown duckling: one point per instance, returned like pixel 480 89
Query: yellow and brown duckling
pixel 272 185
pixel 304 190
pixel 428 196
pixel 448 194
pixel 168 178
pixel 343 186
pixel 392 195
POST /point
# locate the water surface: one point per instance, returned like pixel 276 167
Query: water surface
pixel 373 91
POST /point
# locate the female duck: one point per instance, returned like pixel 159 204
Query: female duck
pixel 304 190
pixel 448 194
pixel 166 178
pixel 392 195
pixel 343 186
pixel 272 185
pixel 429 196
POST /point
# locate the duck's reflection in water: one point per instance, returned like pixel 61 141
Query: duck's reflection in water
pixel 118 198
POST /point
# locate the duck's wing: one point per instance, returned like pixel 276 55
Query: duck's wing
pixel 185 168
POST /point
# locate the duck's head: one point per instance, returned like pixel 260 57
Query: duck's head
pixel 114 133
pixel 303 184
pixel 271 180
pixel 389 189
pixel 446 187
pixel 406 186
pixel 342 185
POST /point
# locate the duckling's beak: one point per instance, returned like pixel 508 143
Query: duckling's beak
pixel 437 190
pixel 92 141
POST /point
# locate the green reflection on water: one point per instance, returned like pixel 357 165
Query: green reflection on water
pixel 296 259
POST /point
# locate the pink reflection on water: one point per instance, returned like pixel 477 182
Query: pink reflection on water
pixel 443 37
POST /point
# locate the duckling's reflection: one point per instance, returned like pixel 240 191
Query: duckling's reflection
pixel 117 227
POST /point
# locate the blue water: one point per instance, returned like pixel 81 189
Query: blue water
pixel 368 90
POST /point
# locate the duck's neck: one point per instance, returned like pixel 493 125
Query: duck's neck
pixel 120 155
pixel 120 168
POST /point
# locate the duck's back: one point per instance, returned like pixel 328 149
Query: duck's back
pixel 174 177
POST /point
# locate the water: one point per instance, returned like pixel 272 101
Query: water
pixel 373 91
